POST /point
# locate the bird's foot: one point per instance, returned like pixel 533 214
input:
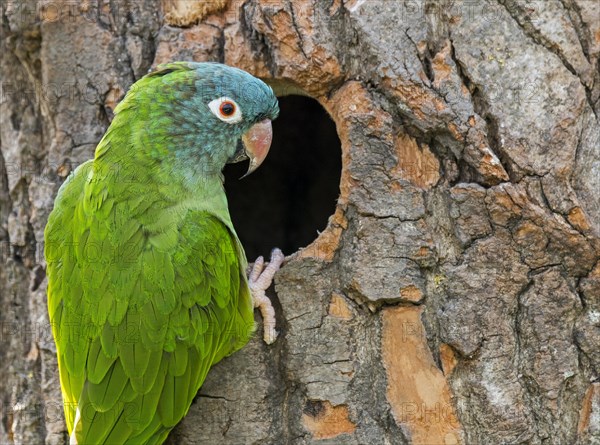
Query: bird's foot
pixel 259 280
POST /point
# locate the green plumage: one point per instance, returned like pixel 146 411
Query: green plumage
pixel 146 277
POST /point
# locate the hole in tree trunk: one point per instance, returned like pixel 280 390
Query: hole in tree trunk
pixel 289 199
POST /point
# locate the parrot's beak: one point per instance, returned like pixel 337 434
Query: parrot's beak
pixel 257 142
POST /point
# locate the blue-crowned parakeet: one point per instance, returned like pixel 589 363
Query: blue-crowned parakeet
pixel 147 284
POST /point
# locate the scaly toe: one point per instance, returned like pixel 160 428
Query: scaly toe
pixel 259 280
pixel 257 268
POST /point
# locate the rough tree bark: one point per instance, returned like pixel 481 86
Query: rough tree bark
pixel 454 296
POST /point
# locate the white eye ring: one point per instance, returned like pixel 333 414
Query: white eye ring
pixel 218 108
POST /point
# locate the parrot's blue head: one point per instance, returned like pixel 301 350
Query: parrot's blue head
pixel 239 107
pixel 204 110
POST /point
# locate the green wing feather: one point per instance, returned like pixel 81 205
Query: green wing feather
pixel 144 297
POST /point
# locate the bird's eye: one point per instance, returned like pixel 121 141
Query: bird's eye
pixel 226 109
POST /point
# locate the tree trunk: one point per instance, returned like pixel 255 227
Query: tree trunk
pixel 454 296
